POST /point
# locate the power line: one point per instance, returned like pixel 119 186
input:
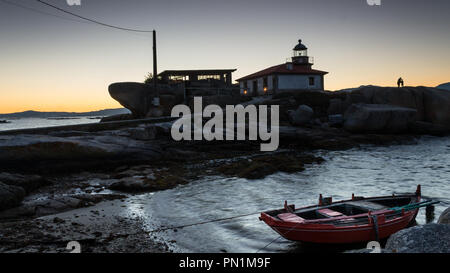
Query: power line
pixel 58 16
pixel 42 12
pixel 92 20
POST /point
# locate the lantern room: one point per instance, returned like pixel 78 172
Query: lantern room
pixel 300 54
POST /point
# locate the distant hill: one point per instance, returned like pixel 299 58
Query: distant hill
pixel 445 86
pixel 36 114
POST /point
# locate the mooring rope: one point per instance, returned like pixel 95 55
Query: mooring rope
pixel 204 222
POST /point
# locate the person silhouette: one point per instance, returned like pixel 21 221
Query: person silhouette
pixel 400 82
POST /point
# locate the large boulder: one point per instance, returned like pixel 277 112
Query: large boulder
pixel 303 115
pixel 10 196
pixel 432 104
pixel 366 118
pixel 445 217
pixel 41 152
pixel 437 106
pixel 430 238
pixel 134 96
pixel 137 97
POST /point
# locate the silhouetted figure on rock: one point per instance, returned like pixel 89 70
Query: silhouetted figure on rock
pixel 400 82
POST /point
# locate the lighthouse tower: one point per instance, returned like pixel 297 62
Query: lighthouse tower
pixel 300 55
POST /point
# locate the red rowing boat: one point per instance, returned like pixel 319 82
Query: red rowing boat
pixel 356 220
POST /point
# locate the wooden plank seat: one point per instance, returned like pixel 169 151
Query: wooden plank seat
pixel 290 217
pixel 329 213
pixel 332 213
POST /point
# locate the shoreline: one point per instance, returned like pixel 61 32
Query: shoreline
pixel 96 189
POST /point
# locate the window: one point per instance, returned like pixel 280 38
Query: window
pixel 207 77
pixel 178 78
pixel 245 87
pixel 265 84
pixel 312 81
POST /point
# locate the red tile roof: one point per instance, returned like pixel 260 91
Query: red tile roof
pixel 282 69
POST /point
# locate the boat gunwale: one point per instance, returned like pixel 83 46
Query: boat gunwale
pixel 318 227
pixel 324 223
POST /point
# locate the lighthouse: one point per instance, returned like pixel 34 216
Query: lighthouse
pixel 296 74
pixel 300 55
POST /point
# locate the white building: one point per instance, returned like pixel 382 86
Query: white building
pixel 296 74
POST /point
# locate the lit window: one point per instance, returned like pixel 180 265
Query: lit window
pixel 245 92
pixel 207 77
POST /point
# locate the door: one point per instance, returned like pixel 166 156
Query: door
pixel 255 88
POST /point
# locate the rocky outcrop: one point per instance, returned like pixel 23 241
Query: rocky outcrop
pixel 303 115
pixel 56 204
pixel 260 167
pixel 143 133
pixel 432 104
pixel 41 153
pixel 10 196
pixel 444 86
pixel 120 117
pixel 38 147
pixel 445 217
pixel 430 238
pixel 147 184
pixel 134 96
pixel 137 97
pixel 28 182
pixel 318 101
pixel 378 118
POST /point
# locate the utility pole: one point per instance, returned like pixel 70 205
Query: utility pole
pixel 155 72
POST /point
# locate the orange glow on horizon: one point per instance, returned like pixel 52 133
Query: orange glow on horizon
pixel 73 101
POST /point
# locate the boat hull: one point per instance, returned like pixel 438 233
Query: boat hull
pixel 349 221
pixel 319 233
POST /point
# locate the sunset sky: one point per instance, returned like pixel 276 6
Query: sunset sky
pixel 49 63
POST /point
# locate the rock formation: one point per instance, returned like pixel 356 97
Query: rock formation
pixel 444 86
pixel 430 238
pixel 137 97
pixel 10 196
pixel 303 115
pixel 378 118
pixel 432 104
pixel 445 217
